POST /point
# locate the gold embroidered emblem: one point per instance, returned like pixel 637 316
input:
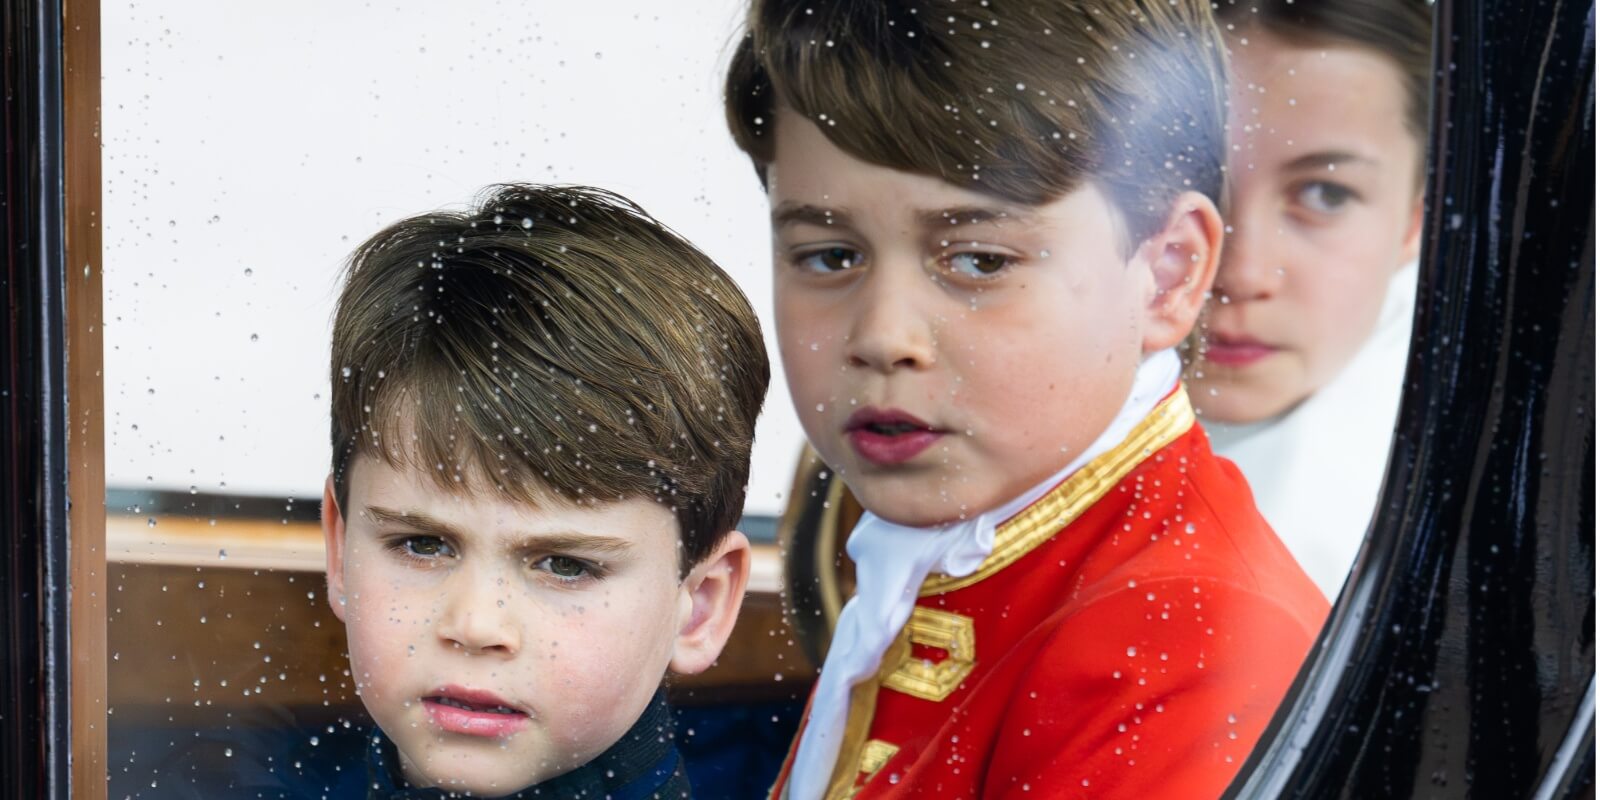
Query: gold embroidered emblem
pixel 874 754
pixel 929 680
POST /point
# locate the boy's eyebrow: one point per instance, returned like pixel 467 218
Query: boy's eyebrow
pixel 973 215
pixel 1326 159
pixel 572 540
pixel 415 520
pixel 804 213
pixel 554 540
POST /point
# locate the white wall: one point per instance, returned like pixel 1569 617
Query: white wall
pixel 250 146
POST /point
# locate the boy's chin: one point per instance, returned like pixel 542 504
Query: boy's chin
pixel 480 775
pixel 904 502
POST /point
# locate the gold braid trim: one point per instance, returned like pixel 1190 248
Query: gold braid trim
pixel 1035 524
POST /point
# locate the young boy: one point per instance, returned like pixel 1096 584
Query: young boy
pixel 992 224
pixel 542 418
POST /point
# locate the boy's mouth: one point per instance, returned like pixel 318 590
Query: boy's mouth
pixel 473 712
pixel 889 436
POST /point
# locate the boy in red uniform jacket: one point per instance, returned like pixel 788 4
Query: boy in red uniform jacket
pixel 993 222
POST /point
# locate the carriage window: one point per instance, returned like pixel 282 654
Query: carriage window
pixel 249 151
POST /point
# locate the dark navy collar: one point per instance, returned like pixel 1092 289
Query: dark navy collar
pixel 643 765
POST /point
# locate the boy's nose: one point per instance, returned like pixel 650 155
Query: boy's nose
pixel 1251 267
pixel 474 618
pixel 888 330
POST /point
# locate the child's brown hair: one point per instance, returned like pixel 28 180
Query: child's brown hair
pixel 1020 99
pixel 1400 30
pixel 551 342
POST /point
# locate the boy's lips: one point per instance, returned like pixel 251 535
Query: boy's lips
pixel 1235 351
pixel 889 436
pixel 473 712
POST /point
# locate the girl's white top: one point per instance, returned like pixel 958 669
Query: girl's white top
pixel 893 560
pixel 1316 469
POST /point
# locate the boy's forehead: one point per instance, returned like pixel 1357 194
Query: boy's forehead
pixel 403 494
pixel 814 181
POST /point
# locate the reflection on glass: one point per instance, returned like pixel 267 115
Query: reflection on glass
pixel 1305 342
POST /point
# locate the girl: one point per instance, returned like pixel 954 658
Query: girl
pixel 1307 332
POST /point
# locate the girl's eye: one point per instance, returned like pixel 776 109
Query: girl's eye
pixel 565 567
pixel 1323 197
pixel 428 547
pixel 832 259
pixel 976 264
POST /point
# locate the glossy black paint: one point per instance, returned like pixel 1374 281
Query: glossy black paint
pixel 1460 658
pixel 34 721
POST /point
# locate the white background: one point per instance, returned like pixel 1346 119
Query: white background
pixel 250 147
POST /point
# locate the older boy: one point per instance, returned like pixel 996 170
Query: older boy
pixel 992 223
pixel 542 418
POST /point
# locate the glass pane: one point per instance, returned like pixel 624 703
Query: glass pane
pixel 984 307
pixel 248 151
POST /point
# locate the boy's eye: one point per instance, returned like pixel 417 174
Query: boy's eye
pixel 426 547
pixel 832 259
pixel 565 567
pixel 976 264
pixel 1323 197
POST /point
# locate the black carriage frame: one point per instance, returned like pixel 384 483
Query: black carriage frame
pixel 1459 661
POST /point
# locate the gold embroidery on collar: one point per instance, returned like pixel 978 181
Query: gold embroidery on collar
pixel 874 754
pixel 925 680
pixel 1035 524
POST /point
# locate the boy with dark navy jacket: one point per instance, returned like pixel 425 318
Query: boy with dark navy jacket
pixel 543 410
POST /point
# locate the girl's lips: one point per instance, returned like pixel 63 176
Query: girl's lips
pixel 1236 352
pixel 889 437
pixel 473 713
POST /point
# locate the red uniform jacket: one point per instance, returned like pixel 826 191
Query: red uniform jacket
pixel 1129 637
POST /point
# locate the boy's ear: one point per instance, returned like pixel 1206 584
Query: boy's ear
pixel 333 540
pixel 1182 259
pixel 709 603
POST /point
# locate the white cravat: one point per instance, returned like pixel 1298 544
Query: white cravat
pixel 893 560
